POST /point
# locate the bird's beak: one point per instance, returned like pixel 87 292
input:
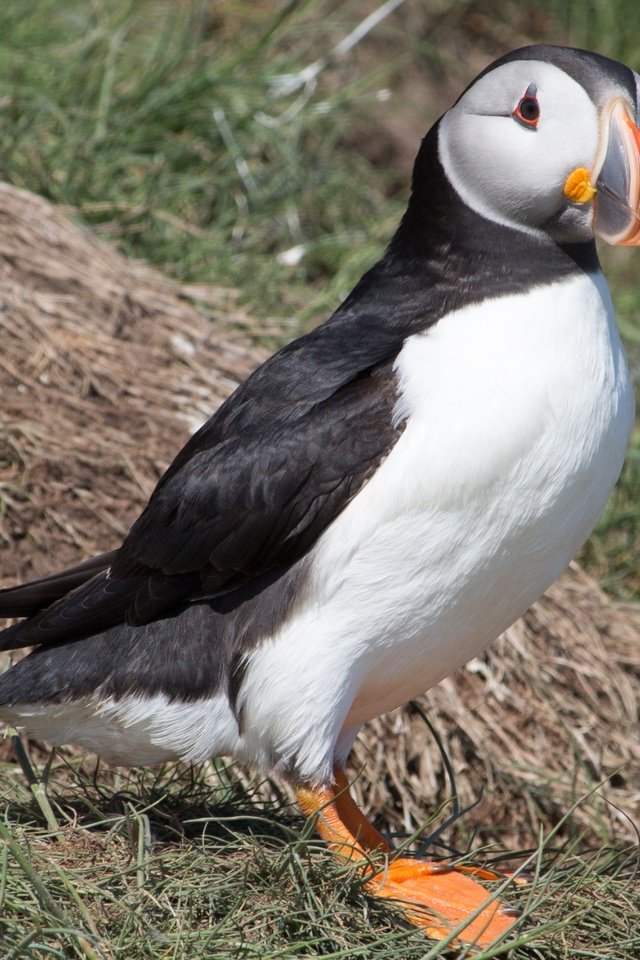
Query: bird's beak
pixel 615 176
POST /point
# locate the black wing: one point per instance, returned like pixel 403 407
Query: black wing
pixel 259 482
pixel 225 515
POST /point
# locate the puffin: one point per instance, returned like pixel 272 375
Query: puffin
pixel 386 494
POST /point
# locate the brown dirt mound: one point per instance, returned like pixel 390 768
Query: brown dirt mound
pixel 107 366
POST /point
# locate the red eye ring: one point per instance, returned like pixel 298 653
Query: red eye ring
pixel 528 110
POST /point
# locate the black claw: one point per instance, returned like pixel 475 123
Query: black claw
pixel 514 912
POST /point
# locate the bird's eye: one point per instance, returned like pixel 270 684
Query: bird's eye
pixel 528 110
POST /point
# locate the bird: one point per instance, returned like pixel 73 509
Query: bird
pixel 384 495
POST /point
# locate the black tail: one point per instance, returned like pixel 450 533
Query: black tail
pixel 29 598
pixel 85 601
pixel 91 608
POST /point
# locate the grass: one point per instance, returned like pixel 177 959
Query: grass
pixel 161 128
pixel 186 864
pixel 179 132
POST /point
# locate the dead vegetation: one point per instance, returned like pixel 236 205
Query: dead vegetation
pixel 106 367
pixel 105 370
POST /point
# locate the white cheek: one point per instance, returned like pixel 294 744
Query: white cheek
pixel 508 173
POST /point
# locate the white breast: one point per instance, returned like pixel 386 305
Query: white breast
pixel 518 412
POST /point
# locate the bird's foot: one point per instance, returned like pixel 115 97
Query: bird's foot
pixel 436 896
pixel 440 898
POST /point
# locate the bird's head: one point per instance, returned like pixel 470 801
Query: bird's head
pixel 546 140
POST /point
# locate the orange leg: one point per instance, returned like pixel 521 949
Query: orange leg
pixel 436 896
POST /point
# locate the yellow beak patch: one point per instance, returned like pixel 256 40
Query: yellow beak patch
pixel 578 186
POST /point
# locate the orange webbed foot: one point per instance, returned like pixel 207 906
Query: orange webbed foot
pixel 440 898
pixel 436 896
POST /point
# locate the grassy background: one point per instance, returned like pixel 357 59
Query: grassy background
pixel 196 136
pixel 195 865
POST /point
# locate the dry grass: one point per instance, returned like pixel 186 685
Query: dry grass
pixel 105 369
pixel 189 864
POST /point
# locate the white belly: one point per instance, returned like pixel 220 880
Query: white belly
pixel 518 414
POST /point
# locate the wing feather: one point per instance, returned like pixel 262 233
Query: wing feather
pixel 255 487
